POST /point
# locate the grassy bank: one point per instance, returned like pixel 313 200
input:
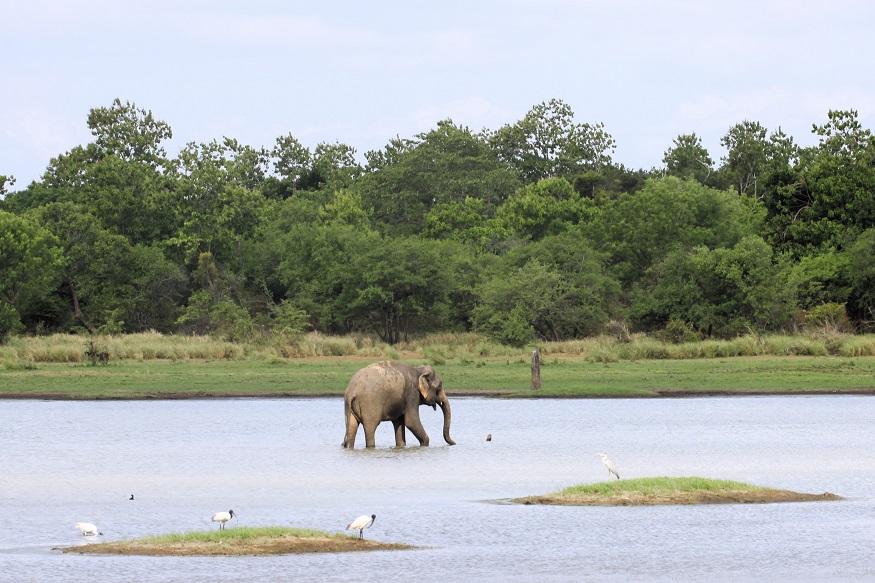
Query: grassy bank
pixel 270 540
pixel 155 366
pixel 663 490
pixel 561 377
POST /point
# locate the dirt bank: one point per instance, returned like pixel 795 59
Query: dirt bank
pixel 258 546
pixel 764 496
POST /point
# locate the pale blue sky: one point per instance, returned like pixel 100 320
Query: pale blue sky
pixel 363 72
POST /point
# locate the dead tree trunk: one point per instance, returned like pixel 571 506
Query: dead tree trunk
pixel 536 369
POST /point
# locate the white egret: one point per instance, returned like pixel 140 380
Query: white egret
pixel 222 518
pixel 361 523
pixel 612 469
pixel 87 528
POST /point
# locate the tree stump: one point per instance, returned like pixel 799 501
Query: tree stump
pixel 536 369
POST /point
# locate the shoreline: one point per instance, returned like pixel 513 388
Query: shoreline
pixel 767 496
pixel 656 394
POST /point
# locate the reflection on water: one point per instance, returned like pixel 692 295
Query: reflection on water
pixel 280 462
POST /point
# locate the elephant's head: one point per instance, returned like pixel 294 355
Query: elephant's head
pixel 431 392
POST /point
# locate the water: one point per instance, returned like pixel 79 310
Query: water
pixel 280 462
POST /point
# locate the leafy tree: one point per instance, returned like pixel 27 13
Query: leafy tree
pixel 120 177
pixel 128 133
pixel 861 270
pixel 747 155
pixel 555 289
pixel 547 143
pixel 217 207
pixel 443 167
pixel 723 291
pixel 291 159
pixel 105 279
pixel 829 198
pixel 30 260
pixel 547 207
pixel 508 305
pixel 753 155
pixel 5 183
pixel 334 167
pixel 328 168
pixel 639 230
pixel 399 286
pixel 215 306
pixel 821 279
pixel 314 263
pixel 688 158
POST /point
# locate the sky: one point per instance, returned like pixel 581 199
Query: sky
pixel 363 73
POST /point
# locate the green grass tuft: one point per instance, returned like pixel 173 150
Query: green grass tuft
pixel 657 486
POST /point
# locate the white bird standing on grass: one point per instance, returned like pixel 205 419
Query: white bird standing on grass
pixel 223 517
pixel 87 528
pixel 361 523
pixel 612 469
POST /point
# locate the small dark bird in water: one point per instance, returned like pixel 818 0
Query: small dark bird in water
pixel 489 437
pixel 132 497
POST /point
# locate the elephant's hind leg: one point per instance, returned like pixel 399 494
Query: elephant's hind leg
pixel 400 437
pixel 352 427
pixel 370 430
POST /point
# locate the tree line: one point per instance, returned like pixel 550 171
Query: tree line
pixel 530 231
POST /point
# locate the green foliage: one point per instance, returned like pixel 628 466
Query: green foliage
pixel 723 291
pixel 831 315
pixel 639 230
pixel 129 133
pixel 398 287
pixel 861 274
pixel 445 166
pixel 30 261
pixel 687 158
pixel 820 279
pixel 547 207
pixel 552 290
pixel 831 198
pixel 435 232
pixel 5 183
pixel 678 332
pixel 288 319
pixel 547 143
pixel 218 206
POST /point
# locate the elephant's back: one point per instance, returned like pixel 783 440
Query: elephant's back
pixel 379 374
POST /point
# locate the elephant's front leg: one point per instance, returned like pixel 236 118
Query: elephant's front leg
pixel 415 426
pixel 400 438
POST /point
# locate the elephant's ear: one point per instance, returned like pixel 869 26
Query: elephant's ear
pixel 423 386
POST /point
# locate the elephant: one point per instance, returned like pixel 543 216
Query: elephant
pixel 393 391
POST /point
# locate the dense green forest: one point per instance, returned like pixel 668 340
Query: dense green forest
pixel 530 231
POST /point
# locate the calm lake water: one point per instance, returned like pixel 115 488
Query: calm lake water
pixel 280 462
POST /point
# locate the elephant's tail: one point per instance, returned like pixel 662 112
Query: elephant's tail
pixel 347 413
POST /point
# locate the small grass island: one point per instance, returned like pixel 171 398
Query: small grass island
pixel 269 540
pixel 665 491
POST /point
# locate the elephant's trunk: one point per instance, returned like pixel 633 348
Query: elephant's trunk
pixel 445 407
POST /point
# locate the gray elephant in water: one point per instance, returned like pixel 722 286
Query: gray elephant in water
pixel 393 391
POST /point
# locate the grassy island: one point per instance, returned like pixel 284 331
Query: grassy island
pixel 269 540
pixel 658 491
